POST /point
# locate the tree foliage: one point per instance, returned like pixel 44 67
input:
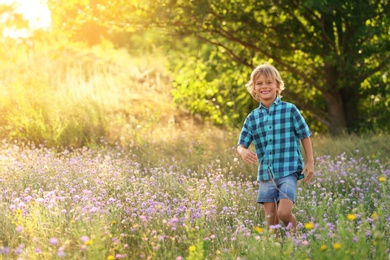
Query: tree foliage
pixel 335 53
pixel 332 54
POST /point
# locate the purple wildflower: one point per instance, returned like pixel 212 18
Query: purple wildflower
pixel 53 241
pixel 19 229
pixel 4 250
pixel 84 239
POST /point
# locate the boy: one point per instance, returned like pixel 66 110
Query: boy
pixel 276 127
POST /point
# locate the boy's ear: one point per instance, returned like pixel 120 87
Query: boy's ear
pixel 278 89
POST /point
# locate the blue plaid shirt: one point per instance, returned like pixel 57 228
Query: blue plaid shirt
pixel 276 134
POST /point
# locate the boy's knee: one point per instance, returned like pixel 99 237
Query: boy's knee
pixel 284 216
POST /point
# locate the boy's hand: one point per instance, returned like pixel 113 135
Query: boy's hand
pixel 247 155
pixel 308 171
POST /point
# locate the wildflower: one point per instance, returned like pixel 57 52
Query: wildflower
pixel 258 229
pixel 336 246
pixel 61 252
pixel 84 239
pixel 110 257
pixel 289 226
pixel 277 226
pixel 323 247
pixel 374 215
pixel 88 242
pixel 351 217
pixel 192 248
pixel 53 241
pixel 309 225
pixel 19 229
pixel 18 251
pixel 4 250
pixel 382 179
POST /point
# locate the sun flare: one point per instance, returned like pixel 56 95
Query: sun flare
pixel 34 11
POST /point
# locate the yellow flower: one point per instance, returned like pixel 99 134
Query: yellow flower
pixel 374 215
pixel 258 229
pixel 309 225
pixel 192 248
pixel 110 257
pixel 382 179
pixel 88 242
pixel 351 217
pixel 336 246
pixel 113 222
pixel 323 247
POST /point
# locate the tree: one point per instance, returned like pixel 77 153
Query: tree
pixel 333 54
pixel 334 50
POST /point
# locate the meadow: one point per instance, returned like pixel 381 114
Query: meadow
pixel 97 163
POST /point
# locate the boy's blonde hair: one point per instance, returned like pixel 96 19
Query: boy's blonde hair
pixel 270 72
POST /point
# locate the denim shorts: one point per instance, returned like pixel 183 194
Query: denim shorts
pixel 276 189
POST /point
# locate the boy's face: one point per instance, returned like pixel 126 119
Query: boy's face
pixel 265 88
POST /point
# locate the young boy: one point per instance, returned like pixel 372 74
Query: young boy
pixel 276 127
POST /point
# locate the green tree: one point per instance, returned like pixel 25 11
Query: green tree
pixel 336 51
pixel 333 54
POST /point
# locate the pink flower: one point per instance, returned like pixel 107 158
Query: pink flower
pixel 19 229
pixel 53 241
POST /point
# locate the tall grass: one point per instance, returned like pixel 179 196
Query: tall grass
pixel 64 94
pixel 96 163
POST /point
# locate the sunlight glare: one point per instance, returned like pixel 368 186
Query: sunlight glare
pixel 34 11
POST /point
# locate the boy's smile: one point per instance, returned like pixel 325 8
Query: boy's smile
pixel 266 89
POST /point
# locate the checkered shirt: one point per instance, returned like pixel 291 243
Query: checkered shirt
pixel 276 134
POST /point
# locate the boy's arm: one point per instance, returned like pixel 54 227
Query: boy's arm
pixel 309 163
pixel 247 155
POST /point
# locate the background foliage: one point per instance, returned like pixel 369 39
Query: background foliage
pixel 327 54
pixel 332 55
pixel 97 161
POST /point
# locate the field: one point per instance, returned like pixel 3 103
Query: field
pixel 103 204
pixel 152 183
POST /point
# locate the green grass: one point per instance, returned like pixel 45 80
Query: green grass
pixel 97 163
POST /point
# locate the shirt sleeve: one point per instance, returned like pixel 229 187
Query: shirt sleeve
pixel 246 136
pixel 301 128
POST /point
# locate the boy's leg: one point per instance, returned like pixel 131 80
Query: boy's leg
pixel 271 210
pixel 284 212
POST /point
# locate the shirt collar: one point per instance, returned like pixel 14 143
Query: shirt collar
pixel 276 102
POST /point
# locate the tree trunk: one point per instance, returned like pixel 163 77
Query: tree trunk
pixel 351 110
pixel 337 124
pixel 334 103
